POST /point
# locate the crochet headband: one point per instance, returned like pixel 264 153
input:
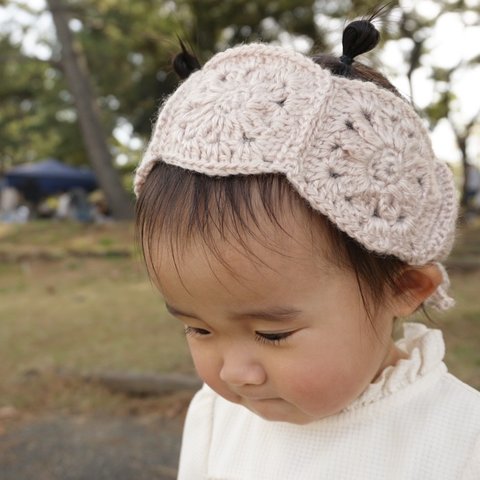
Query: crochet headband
pixel 356 152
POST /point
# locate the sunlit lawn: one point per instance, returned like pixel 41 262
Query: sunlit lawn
pixel 80 313
pixel 74 298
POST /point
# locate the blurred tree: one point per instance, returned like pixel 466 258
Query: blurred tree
pixel 418 29
pixel 217 25
pixel 129 45
pixel 34 117
pixel 444 108
pixel 76 73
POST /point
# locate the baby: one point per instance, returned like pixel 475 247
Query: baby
pixel 290 210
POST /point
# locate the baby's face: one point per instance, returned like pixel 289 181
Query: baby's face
pixel 288 340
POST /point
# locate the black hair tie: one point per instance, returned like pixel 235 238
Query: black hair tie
pixel 185 63
pixel 346 59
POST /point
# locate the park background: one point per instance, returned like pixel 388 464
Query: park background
pixel 83 86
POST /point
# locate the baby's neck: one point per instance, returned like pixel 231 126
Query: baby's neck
pixel 393 356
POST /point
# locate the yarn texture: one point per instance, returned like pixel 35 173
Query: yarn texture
pixel 357 153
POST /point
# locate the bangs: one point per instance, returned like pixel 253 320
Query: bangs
pixel 177 207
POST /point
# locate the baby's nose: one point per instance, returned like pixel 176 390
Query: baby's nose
pixel 240 369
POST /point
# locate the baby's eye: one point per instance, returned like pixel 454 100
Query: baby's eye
pixel 196 331
pixel 272 338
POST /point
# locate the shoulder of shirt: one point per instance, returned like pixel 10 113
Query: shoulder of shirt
pixel 203 401
pixel 463 387
pixel 457 396
pixel 197 435
pixel 467 399
pixel 205 394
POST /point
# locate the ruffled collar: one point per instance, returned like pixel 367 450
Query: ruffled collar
pixel 425 348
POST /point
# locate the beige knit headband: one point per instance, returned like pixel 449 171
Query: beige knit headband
pixel 356 152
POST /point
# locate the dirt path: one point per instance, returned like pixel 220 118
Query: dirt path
pixel 60 447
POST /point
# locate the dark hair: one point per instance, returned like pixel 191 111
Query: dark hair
pixel 184 63
pixel 181 203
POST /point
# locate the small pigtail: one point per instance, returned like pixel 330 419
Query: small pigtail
pixel 185 63
pixel 359 37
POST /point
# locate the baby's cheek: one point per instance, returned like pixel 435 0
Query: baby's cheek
pixel 208 366
pixel 309 385
pixel 323 392
pixel 204 363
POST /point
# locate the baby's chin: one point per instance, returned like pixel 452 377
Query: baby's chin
pixel 278 410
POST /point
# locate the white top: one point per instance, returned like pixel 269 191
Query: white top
pixel 417 421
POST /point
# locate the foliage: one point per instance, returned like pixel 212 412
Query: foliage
pixel 129 47
pixel 34 119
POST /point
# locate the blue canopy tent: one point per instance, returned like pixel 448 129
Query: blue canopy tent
pixel 48 177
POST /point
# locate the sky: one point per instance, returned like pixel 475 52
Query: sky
pixel 454 39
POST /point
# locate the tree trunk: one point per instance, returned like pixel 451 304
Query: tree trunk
pixel 462 145
pixel 76 73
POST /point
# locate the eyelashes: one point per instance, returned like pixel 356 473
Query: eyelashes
pixel 272 338
pixel 261 337
pixel 193 331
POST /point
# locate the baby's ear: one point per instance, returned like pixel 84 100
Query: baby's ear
pixel 416 285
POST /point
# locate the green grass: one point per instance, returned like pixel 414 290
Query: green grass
pixel 90 309
pixel 57 240
pixel 467 243
pixel 80 312
pixel 100 314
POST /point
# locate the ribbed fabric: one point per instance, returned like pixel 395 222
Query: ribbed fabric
pixel 416 422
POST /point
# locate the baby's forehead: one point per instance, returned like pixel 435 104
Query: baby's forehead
pixel 256 265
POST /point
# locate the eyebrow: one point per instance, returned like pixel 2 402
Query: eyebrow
pixel 273 314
